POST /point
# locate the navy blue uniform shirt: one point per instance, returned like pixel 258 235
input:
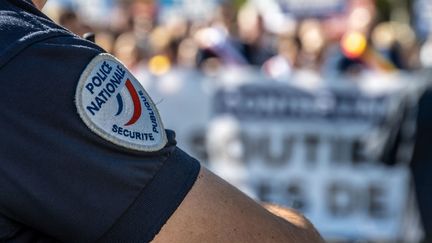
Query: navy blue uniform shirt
pixel 59 181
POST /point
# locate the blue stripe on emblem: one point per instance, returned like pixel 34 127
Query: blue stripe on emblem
pixel 120 104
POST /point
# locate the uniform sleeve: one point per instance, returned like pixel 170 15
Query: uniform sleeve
pixel 59 177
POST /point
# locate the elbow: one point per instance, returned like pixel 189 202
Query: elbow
pixel 301 230
pixel 296 226
pixel 305 230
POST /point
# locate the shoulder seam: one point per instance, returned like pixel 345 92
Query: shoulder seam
pixel 28 41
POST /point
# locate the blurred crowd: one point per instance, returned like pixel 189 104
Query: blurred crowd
pixel 280 38
pixel 355 38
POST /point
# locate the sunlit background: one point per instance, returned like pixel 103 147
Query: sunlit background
pixel 295 102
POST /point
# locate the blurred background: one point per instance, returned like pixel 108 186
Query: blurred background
pixel 311 104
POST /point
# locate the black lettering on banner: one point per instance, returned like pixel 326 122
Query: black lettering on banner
pixel 278 151
pixel 311 146
pixel 296 196
pixel 252 102
pixel 265 149
pixel 293 193
pixel 262 147
pixel 358 152
pixel 377 206
pixel 347 150
pixel 341 199
pixel 344 199
pixel 340 152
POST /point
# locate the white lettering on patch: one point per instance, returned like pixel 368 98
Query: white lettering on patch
pixel 114 105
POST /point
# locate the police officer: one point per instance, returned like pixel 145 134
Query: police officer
pixel 84 156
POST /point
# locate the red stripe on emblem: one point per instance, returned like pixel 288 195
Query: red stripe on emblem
pixel 136 101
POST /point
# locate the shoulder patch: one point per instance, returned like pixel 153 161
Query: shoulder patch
pixel 114 105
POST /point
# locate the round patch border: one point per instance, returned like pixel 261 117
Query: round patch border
pixel 101 132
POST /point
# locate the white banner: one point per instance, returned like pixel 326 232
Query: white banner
pixel 307 8
pixel 303 148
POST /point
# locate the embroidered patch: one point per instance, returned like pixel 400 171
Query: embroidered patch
pixel 114 105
